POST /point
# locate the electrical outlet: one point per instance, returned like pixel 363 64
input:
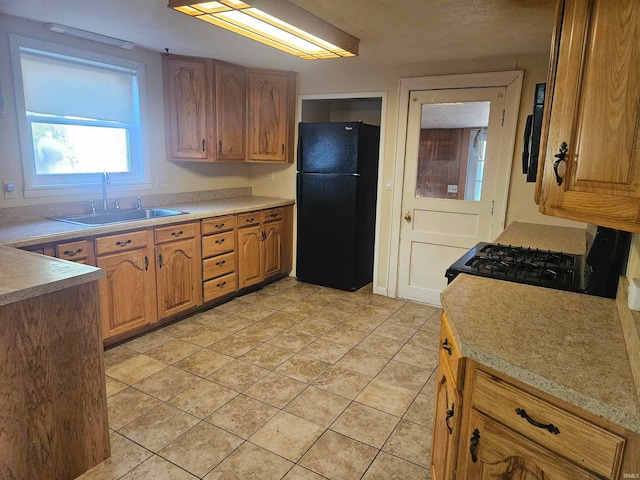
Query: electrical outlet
pixel 452 188
pixel 270 174
pixel 161 182
pixel 10 190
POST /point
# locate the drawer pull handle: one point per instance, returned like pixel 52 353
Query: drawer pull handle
pixel 550 427
pixel 219 264
pixel 220 241
pixel 219 225
pixel 146 263
pixel 122 244
pixel 448 416
pixel 445 346
pixel 473 445
pixel 249 220
pixel 273 215
pixel 71 253
pixel 160 260
pixel 220 285
pixel 177 234
pixel 562 153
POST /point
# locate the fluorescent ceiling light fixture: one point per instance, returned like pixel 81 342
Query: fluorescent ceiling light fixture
pixel 96 37
pixel 310 38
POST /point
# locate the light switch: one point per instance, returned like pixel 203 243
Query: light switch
pixel 387 184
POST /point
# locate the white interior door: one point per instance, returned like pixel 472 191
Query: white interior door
pixel 451 167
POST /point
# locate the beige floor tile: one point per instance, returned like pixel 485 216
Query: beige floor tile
pixel 233 306
pixel 233 323
pixel 287 435
pixel 387 397
pixel 275 389
pixel 283 319
pixel 267 356
pixel 345 336
pixel 338 457
pixel 408 317
pixel 374 311
pixel 325 350
pixel 388 467
pixel 341 381
pixel 159 427
pixel 362 322
pixel 365 424
pixel 127 405
pixel 395 332
pixel 256 312
pixel 125 456
pixel 275 302
pixel 391 304
pixel 303 308
pixel 427 340
pixel 204 362
pixel 431 388
pixel 318 406
pixel 243 416
pixel 201 448
pixel 208 317
pixel 116 355
pixel 404 375
pixel 418 357
pixel 238 375
pixel 235 345
pixel 383 346
pixel 363 362
pixel 261 331
pixel 294 341
pixel 301 473
pixel 203 398
pixel 158 468
pixel 332 314
pixel 411 442
pixel 147 342
pixel 207 335
pixel 184 328
pixel 251 462
pixel 421 410
pixel 313 327
pixel 167 383
pixel 173 351
pixel 305 369
pixel 254 297
pixel 114 386
pixel 135 369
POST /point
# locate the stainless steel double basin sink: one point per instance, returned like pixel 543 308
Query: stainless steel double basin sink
pixel 118 216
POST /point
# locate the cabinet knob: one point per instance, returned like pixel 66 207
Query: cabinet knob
pixel 560 166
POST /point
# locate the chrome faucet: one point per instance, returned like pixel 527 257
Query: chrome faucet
pixel 106 182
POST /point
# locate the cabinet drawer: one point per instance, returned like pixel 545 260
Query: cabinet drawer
pixel 219 224
pixel 251 218
pixel 121 242
pixel 451 352
pixel 585 444
pixel 272 215
pixel 174 232
pixel 219 287
pixel 215 266
pixel 73 251
pixel 219 243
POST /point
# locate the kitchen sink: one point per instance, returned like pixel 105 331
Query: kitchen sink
pixel 119 216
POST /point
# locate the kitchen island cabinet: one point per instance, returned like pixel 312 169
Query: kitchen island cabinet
pixel 589 167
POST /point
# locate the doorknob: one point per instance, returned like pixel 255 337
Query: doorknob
pixel 407 216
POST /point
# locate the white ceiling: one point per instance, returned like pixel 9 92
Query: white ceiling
pixel 391 32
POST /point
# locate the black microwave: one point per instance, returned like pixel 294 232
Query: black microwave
pixel 532 130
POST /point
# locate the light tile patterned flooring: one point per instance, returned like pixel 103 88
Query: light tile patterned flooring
pixel 293 381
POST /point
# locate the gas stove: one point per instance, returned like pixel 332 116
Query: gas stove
pixel 564 271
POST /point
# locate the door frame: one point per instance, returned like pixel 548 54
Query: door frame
pixel 512 80
pixel 381 161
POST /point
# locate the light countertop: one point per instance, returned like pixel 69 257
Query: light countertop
pixel 545 237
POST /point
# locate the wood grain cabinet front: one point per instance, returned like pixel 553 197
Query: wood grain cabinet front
pixel 230 101
pixel 219 262
pixel 590 154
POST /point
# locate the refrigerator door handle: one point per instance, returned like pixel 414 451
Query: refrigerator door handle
pixel 355 174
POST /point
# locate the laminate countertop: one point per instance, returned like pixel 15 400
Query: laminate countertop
pixel 25 275
pixel 566 344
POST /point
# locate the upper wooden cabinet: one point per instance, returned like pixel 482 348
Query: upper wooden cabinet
pixel 270 116
pixel 206 108
pixel 593 98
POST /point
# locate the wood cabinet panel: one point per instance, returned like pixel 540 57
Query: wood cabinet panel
pixel 230 99
pixel 219 287
pixel 219 243
pixel 451 352
pixel 248 219
pixel 273 215
pixel 219 224
pixel 75 251
pixel 219 265
pixel 272 249
pixel 178 277
pixel 172 233
pixel 250 264
pixel 121 242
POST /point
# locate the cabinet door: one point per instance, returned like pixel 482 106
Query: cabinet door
pixel 594 93
pixel 230 88
pixel 446 424
pixel 186 91
pixel 127 294
pixel 178 277
pixel 268 116
pixel 272 246
pixel 250 264
pixel 494 451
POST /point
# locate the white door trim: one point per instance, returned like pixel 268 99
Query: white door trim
pixel 377 288
pixel 512 80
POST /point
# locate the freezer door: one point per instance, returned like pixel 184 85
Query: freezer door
pixel 328 147
pixel 326 230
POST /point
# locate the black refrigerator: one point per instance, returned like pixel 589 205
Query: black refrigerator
pixel 336 203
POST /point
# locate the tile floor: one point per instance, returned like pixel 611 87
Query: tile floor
pixel 293 381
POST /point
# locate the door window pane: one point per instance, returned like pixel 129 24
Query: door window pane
pixel 453 139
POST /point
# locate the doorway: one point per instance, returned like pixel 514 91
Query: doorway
pixel 455 168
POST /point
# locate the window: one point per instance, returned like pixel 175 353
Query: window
pixel 79 114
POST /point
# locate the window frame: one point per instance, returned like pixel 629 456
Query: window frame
pixel 63 184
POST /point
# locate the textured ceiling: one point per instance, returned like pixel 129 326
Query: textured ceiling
pixel 391 32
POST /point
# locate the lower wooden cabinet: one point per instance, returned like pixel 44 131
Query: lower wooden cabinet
pixel 250 256
pixel 272 245
pixel 260 246
pixel 178 277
